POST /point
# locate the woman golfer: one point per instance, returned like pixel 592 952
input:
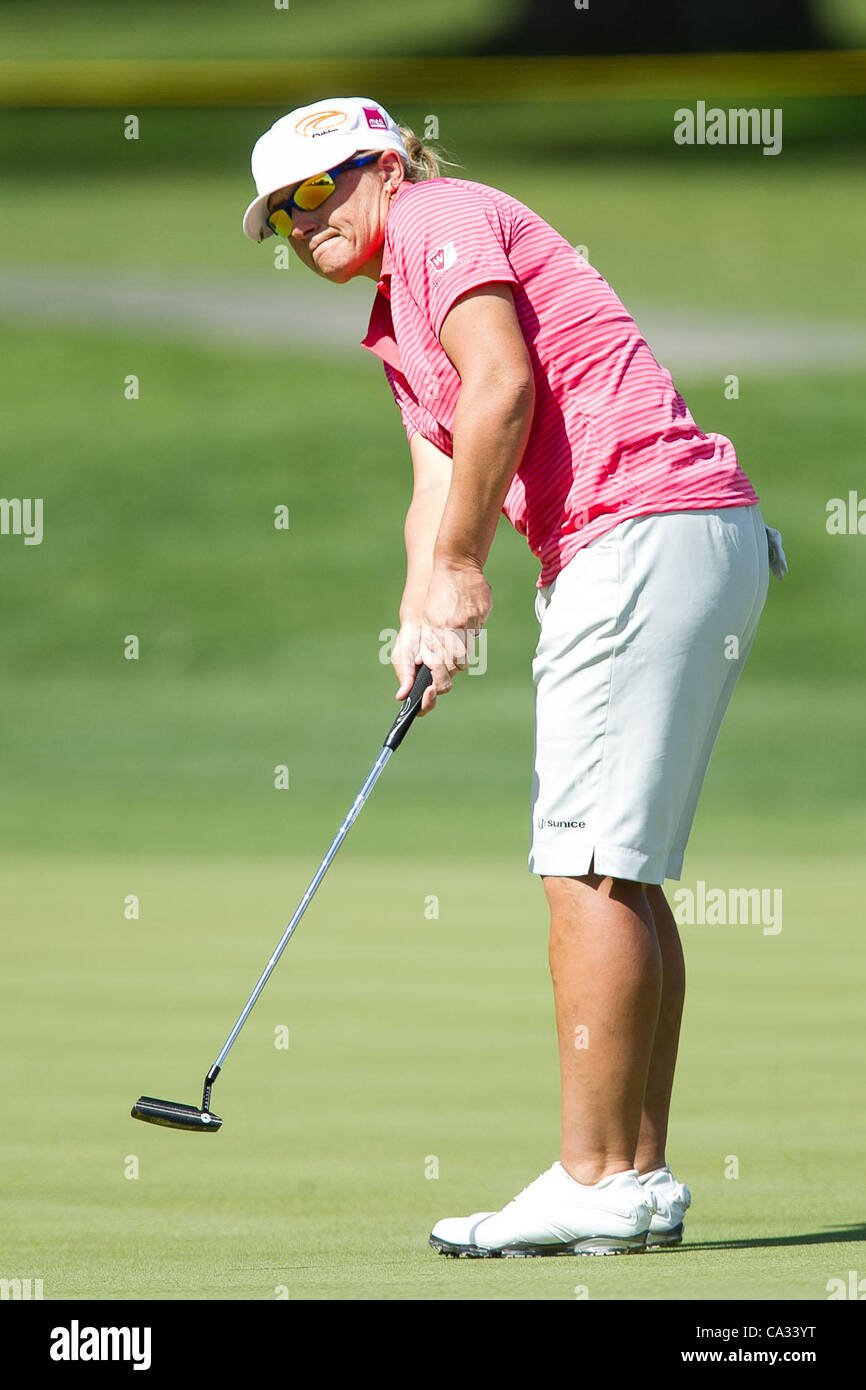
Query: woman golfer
pixel 526 387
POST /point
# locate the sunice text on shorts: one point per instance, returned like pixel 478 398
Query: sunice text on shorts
pixel 737 126
pixel 76 1343
pixel 22 516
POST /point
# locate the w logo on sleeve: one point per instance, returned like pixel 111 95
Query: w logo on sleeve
pixel 444 258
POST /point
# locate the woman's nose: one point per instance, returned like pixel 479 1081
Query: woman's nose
pixel 304 224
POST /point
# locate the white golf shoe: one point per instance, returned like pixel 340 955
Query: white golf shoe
pixel 554 1215
pixel 670 1200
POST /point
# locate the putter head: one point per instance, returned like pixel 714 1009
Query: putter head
pixel 174 1116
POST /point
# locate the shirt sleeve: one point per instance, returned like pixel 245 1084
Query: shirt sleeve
pixel 448 240
pixel 401 396
pixel 416 420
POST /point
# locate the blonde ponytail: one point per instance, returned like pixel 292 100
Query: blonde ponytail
pixel 423 162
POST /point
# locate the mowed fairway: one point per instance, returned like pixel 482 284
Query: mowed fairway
pixel 414 1045
pixel 417 1044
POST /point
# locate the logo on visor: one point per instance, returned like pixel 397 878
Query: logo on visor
pixel 375 119
pixel 444 258
pixel 321 122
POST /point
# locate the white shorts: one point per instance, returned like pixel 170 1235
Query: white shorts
pixel 643 636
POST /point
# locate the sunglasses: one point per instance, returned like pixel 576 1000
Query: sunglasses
pixel 310 194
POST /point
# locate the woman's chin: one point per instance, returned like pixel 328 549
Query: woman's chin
pixel 331 261
pixel 338 274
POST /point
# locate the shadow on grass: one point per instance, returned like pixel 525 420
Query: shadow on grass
pixel 832 1237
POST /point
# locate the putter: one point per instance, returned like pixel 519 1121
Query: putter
pixel 203 1121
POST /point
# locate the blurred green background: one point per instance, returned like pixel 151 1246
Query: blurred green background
pixel 261 647
pixel 239 29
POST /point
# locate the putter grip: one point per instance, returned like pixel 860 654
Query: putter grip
pixel 409 709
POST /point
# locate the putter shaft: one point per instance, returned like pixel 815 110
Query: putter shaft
pixel 352 815
pixel 176 1116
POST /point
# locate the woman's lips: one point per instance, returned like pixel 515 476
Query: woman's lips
pixel 320 239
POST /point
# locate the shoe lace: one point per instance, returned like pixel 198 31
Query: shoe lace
pixel 529 1185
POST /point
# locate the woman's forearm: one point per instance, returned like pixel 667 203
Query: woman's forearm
pixel 491 427
pixel 422 526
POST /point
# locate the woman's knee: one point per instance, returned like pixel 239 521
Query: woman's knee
pixel 568 893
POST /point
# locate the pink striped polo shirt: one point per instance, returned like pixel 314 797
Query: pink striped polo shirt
pixel 611 436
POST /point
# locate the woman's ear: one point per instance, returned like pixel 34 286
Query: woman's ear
pixel 392 167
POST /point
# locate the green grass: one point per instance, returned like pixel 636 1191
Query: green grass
pixel 409 1039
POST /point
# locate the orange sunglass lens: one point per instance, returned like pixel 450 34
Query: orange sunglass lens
pixel 280 222
pixel 307 196
pixel 314 192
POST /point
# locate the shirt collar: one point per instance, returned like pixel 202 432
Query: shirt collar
pixel 384 285
pixel 387 262
pixel 380 332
